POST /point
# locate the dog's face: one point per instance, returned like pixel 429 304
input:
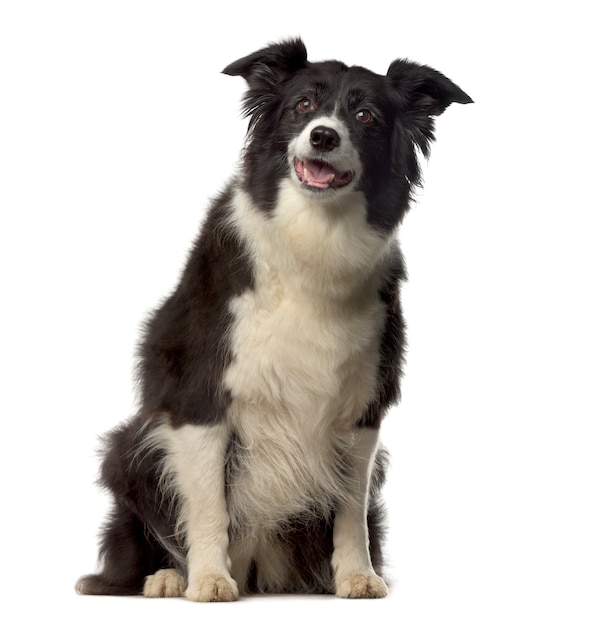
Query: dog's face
pixel 334 130
pixel 335 118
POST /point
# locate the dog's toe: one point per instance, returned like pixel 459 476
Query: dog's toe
pixel 213 588
pixel 165 583
pixel 362 585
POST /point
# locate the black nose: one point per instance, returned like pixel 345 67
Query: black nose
pixel 324 138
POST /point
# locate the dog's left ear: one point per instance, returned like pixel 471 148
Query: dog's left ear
pixel 421 93
pixel 424 89
pixel 267 68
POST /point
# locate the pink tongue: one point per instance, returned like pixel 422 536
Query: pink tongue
pixel 319 173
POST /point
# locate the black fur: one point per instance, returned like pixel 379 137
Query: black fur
pixel 185 347
pixel 182 356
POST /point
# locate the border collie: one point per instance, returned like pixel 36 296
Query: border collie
pixel 253 464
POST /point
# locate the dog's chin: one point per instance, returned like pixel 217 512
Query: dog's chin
pixel 321 178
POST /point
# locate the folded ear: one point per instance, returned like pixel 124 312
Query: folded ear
pixel 268 67
pixel 421 93
pixel 424 89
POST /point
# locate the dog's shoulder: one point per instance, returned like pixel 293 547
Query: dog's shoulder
pixel 182 354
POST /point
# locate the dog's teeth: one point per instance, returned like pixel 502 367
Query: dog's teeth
pixel 305 175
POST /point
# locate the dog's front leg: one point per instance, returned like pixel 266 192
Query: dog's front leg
pixel 199 466
pixel 354 573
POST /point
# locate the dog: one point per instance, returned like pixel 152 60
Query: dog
pixel 254 463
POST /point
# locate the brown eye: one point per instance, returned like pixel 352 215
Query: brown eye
pixel 364 116
pixel 306 106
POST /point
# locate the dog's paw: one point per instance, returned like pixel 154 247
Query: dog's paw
pixel 165 583
pixel 362 585
pixel 213 588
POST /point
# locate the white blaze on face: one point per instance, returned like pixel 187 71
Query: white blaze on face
pixel 332 169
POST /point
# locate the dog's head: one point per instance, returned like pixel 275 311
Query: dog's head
pixel 335 129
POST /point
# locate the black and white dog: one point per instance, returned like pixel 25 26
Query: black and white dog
pixel 254 464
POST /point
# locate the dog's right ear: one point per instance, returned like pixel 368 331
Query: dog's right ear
pixel 267 68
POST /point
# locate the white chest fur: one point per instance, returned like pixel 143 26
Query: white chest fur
pixel 305 345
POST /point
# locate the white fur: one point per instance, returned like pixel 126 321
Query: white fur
pixel 305 345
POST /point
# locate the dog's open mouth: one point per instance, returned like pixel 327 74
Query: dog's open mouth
pixel 321 175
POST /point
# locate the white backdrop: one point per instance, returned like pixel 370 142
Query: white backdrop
pixel 116 127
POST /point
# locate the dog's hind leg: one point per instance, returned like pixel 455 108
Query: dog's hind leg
pixel 128 553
